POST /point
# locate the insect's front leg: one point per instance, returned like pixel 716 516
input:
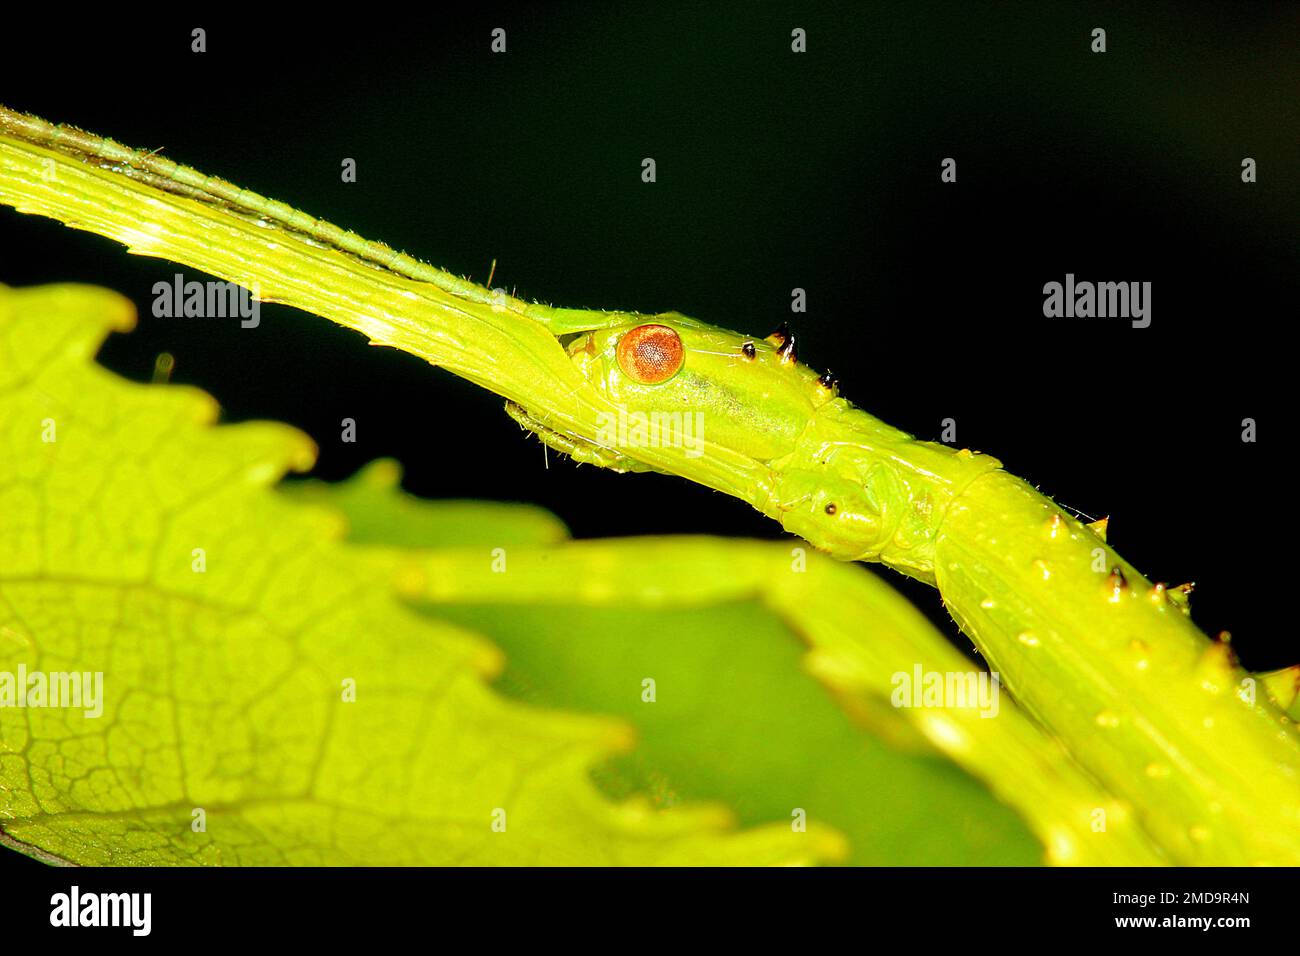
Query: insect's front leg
pixel 579 450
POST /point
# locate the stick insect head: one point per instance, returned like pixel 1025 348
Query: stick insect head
pixel 747 395
pixel 754 398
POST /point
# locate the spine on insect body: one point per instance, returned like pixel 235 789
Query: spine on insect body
pixel 1113 665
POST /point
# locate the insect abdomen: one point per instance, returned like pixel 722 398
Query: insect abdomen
pixel 1106 660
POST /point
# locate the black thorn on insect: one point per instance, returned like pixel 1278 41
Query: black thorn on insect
pixel 781 335
pixel 828 380
pixel 787 352
pixel 748 350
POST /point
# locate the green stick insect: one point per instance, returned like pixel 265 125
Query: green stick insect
pixel 1107 661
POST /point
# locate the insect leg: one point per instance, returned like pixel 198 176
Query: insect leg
pixel 581 451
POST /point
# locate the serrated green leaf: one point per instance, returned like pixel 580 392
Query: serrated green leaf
pixel 736 718
pixel 140 543
pixel 774 688
pixel 379 513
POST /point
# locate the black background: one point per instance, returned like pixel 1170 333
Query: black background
pixel 775 171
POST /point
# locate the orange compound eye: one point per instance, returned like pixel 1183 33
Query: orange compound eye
pixel 650 354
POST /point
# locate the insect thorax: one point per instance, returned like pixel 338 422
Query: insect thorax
pixel 863 490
